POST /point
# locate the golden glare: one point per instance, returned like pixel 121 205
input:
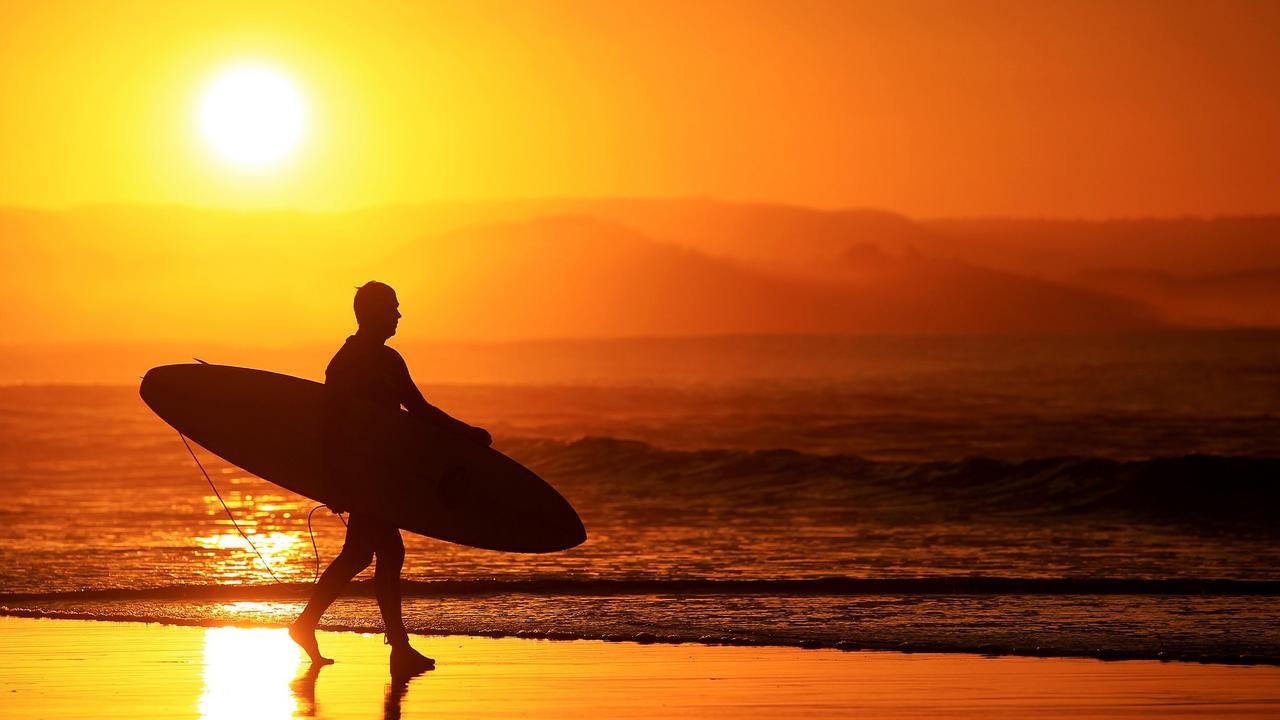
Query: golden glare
pixel 279 550
pixel 252 115
pixel 247 673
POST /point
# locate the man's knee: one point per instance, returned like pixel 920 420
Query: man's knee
pixel 391 557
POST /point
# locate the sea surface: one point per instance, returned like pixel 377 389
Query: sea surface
pixel 1105 496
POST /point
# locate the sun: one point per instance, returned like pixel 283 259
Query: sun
pixel 252 115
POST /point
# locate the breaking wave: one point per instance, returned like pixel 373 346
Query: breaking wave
pixel 1192 488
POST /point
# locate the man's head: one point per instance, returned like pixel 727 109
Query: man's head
pixel 377 309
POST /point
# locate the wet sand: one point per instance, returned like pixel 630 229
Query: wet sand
pixel 75 669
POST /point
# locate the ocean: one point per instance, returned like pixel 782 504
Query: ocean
pixel 1104 496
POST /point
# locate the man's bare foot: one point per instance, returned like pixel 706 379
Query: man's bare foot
pixel 407 662
pixel 306 638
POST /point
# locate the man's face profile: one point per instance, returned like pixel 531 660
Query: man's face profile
pixel 378 310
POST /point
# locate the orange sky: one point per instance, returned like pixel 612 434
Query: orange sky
pixel 1089 109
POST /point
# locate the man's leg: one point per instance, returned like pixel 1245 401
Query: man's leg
pixel 389 548
pixel 357 553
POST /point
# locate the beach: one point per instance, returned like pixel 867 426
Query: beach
pixel 74 668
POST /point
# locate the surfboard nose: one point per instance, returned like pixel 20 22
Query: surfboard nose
pixel 159 387
pixel 171 391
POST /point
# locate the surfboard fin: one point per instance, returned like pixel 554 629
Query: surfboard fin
pixel 200 361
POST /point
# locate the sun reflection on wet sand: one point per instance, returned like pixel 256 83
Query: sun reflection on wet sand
pixel 72 669
pixel 247 673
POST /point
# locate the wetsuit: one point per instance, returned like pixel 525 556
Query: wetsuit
pixel 367 372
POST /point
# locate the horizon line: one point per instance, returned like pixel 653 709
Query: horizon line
pixel 406 206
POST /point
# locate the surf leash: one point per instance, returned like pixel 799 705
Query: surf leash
pixel 312 533
pixel 200 465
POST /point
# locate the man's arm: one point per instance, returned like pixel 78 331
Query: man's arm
pixel 417 405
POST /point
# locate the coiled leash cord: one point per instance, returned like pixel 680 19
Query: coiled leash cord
pixel 313 535
pixel 226 509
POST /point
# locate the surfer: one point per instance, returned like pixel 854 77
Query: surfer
pixel 366 371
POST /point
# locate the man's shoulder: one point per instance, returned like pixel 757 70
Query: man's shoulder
pixel 392 357
pixel 354 355
pixel 340 359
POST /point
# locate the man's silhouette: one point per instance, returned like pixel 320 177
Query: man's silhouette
pixel 367 372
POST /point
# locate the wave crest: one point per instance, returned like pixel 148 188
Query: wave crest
pixel 1192 488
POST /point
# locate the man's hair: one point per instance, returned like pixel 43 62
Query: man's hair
pixel 371 297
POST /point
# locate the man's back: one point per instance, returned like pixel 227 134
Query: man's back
pixel 366 371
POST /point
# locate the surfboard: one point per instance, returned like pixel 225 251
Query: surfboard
pixel 395 466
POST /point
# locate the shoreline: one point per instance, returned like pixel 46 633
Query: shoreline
pixel 833 585
pixel 59 668
pixel 646 638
